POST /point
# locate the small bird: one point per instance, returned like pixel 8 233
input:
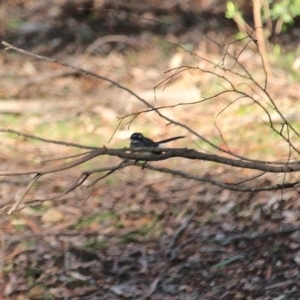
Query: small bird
pixel 138 140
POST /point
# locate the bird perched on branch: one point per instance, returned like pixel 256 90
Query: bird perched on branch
pixel 138 141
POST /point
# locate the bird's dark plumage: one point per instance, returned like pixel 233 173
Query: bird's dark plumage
pixel 138 140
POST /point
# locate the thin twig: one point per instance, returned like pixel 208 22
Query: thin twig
pixel 21 196
pixel 33 137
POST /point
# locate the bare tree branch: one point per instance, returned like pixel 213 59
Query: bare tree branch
pixel 244 89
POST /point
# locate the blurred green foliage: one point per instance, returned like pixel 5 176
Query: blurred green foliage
pixel 285 11
pixel 282 12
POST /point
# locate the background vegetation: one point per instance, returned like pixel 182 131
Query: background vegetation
pixel 142 234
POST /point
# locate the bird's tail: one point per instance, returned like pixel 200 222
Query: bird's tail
pixel 171 139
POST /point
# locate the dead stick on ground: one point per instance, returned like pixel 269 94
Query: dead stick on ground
pixel 180 231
